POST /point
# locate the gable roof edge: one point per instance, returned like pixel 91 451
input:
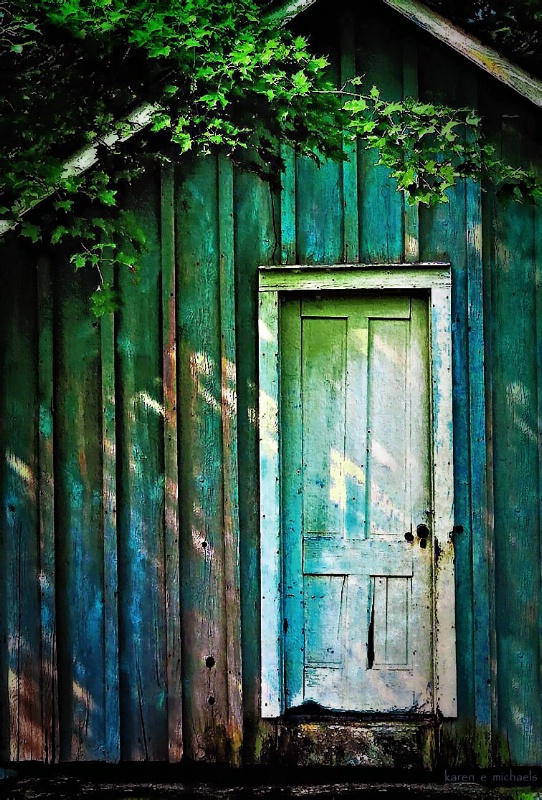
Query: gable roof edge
pixel 445 31
pixel 87 157
pixel 471 48
pixel 289 10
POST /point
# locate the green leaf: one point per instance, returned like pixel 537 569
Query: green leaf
pixel 78 260
pixel 63 205
pixel 32 232
pixel 58 233
pixel 105 300
pixel 161 121
pixel 184 140
pixel 392 108
pixel 157 52
pixel 355 106
pixel 301 82
pixel 473 119
pixel 107 196
pixel 447 130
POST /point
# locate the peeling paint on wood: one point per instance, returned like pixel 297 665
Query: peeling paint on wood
pixel 281 533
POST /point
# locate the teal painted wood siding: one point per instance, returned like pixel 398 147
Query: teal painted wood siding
pixel 129 519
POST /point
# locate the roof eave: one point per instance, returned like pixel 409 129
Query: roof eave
pixel 445 31
pixel 471 48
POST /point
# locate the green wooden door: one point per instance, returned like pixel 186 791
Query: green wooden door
pixel 356 486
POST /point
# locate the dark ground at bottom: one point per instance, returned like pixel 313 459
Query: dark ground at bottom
pixel 211 782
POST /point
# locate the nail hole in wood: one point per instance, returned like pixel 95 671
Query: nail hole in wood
pixel 210 662
pixel 211 700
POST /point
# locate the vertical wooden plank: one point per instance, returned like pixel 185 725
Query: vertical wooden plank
pixel 205 703
pixel 140 438
pixel 319 212
pixel 109 511
pixel 538 278
pixel 5 257
pixel 232 573
pixel 516 483
pixel 381 205
pixel 171 467
pixel 479 521
pixel 49 686
pixel 535 156
pixel 78 518
pixel 292 498
pixel 270 672
pixel 19 519
pixel 319 191
pixel 442 237
pixel 445 638
pixel 257 241
pixel 288 233
pixel 488 277
pixel 270 523
pixel 350 166
pixel 411 211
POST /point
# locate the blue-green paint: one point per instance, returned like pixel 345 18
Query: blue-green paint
pixel 57 578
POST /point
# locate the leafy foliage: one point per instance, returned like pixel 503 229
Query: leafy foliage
pixel 428 147
pixel 218 73
pixel 224 75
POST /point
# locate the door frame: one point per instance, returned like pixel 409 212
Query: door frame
pixel 274 282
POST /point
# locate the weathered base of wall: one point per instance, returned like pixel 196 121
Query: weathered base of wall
pixel 390 744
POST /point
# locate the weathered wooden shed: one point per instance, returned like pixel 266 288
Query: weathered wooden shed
pixel 203 518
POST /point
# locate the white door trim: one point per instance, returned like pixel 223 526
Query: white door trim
pixel 436 279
